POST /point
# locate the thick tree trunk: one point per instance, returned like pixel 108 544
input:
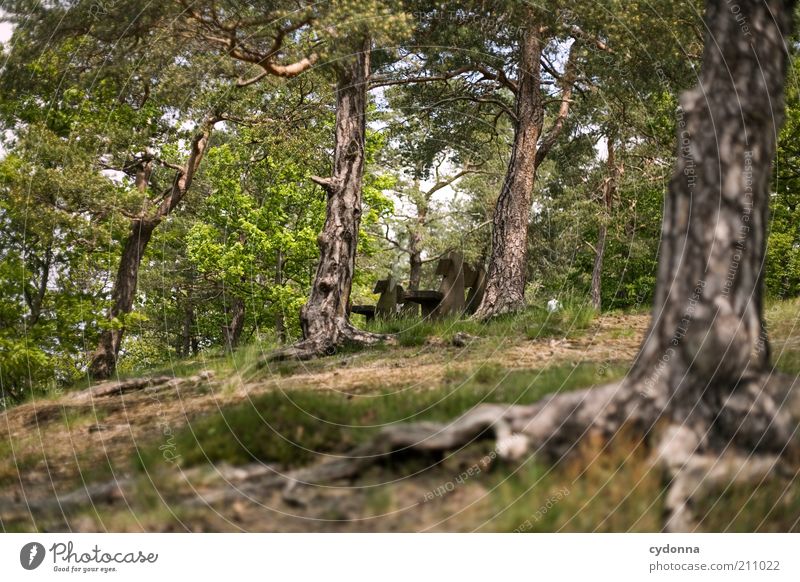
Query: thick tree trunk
pixel 323 318
pixel 104 360
pixel 609 189
pixel 707 347
pixel 505 286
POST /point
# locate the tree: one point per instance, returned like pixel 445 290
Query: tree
pixel 512 59
pixel 103 361
pixel 324 318
pixel 505 282
pixel 341 27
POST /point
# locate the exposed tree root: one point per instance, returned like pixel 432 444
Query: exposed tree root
pixel 106 493
pixel 152 384
pixel 700 474
pixel 553 426
pixel 319 346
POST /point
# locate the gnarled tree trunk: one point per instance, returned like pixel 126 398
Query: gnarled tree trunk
pixel 104 360
pixel 324 319
pixel 707 349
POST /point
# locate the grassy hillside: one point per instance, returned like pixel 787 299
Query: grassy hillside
pixel 173 456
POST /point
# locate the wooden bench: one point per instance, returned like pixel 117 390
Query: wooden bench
pixel 427 300
pixel 367 311
pixel 391 298
pixel 450 299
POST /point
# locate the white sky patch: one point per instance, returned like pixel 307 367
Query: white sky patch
pixel 5 34
pixel 115 176
pixel 5 31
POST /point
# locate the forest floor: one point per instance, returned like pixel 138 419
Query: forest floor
pixel 193 447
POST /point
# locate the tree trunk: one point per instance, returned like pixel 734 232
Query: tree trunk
pixel 232 329
pixel 323 318
pixel 707 350
pixel 505 285
pixel 104 360
pixel 609 189
pixel 280 323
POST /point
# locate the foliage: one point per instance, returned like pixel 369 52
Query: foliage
pixel 91 88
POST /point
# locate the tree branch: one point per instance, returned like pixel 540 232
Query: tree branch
pixel 567 83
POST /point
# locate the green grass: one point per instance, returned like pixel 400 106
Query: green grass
pixel 773 506
pixel 571 320
pixel 783 327
pixel 294 428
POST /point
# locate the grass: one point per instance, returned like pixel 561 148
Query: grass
pixel 772 506
pixel 783 326
pixel 295 428
pixel 603 487
pixel 571 320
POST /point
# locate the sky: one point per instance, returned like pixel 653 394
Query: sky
pixel 5 28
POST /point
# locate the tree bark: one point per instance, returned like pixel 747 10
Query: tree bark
pixel 232 329
pixel 324 318
pixel 104 360
pixel 280 323
pixel 707 348
pixel 505 285
pixel 123 294
pixel 609 189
